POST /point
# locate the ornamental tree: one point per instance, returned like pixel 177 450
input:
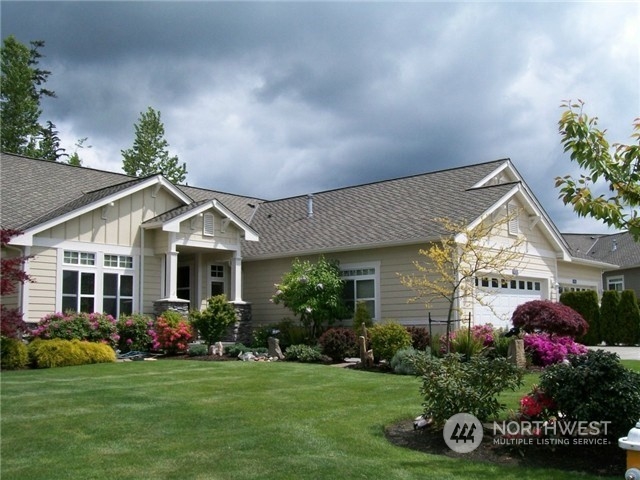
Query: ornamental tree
pixel 13 274
pixel 448 268
pixel 213 322
pixel 314 292
pixel 617 165
pixel 550 317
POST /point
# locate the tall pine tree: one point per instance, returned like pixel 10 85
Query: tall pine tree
pixel 149 154
pixel 21 89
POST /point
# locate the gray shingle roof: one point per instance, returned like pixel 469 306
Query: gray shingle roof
pixel 388 212
pixel 34 191
pixel 618 248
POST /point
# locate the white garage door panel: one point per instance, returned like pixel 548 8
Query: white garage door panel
pixel 504 299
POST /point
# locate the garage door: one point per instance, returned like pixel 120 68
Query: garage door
pixel 502 297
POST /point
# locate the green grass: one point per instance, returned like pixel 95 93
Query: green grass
pixel 220 420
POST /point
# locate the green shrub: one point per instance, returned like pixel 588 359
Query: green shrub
pixel 452 386
pixel 464 342
pixel 64 353
pixel 214 321
pixel 419 337
pixel 612 391
pixel 629 318
pixel 14 354
pixel 303 353
pixel 500 346
pixel 338 343
pixel 198 350
pixel 407 361
pixel 587 304
pixel 609 329
pixel 387 338
pixel 133 331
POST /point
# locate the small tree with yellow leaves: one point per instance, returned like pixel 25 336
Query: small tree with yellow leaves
pixel 450 266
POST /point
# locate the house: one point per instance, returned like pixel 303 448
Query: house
pixel 619 249
pixel 109 242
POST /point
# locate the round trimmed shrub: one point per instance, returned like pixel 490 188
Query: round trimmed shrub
pixel 613 391
pixel 14 354
pixel 550 317
pixel 303 353
pixel 338 343
pixel 406 361
pixel 64 353
pixel 387 338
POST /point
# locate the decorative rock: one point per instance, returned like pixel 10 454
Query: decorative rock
pixel 274 348
pixel 515 353
pixel 216 349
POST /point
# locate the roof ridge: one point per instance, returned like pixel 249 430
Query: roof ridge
pixel 388 180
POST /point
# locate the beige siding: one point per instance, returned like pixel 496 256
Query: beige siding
pixel 42 293
pixel 117 224
pixel 582 276
pixel 152 281
pixel 192 230
pixel 11 301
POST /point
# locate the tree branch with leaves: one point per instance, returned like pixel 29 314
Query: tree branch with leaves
pixel 617 165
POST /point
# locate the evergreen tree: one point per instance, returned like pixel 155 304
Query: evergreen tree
pixel 609 316
pixel 586 304
pixel 149 154
pixel 629 318
pixel 21 89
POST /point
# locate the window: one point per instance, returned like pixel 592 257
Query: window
pixel 118 261
pixel 78 291
pixel 79 258
pixel 207 225
pixel 360 286
pixel 615 283
pixel 216 277
pixel 117 294
pixel 93 282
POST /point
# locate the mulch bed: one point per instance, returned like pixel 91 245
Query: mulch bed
pixel 594 459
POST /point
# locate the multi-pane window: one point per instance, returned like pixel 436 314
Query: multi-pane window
pixel 78 291
pixel 216 277
pixel 615 283
pixel 504 284
pixel 117 294
pixel 360 286
pixel 92 284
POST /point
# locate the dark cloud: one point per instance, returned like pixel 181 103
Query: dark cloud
pixel 275 99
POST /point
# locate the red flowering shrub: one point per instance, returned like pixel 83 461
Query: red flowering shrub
pixel 171 334
pixel 550 317
pixel 547 350
pixel 537 405
pixel 13 274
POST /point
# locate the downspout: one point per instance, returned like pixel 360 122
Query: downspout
pixel 141 280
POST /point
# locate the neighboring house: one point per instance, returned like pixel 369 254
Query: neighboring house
pixel 109 242
pixel 619 249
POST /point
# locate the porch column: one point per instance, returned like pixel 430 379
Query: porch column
pixel 236 277
pixel 171 270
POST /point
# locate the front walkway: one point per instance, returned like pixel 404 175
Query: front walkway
pixel 625 353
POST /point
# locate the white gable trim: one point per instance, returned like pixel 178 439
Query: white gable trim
pixel 522 193
pixel 27 236
pixel 173 224
pixel 485 181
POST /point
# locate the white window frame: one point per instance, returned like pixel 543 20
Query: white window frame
pixel 77 259
pixel 358 271
pixel 220 268
pixel 618 280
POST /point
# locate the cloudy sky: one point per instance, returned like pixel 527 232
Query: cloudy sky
pixel 279 99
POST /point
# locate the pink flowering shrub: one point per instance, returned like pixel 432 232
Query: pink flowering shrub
pixel 92 327
pixel 550 317
pixel 171 334
pixel 136 333
pixel 546 349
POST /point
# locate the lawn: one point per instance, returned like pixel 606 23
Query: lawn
pixel 182 419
